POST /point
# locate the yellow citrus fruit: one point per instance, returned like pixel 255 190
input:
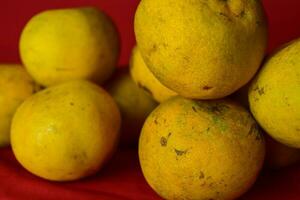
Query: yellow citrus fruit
pixel 202 49
pixel 134 103
pixel 65 44
pixel 274 95
pixel 192 149
pixel 66 132
pixel 277 155
pixel 145 78
pixel 15 86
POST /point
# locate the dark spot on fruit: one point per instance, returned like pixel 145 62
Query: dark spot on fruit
pixel 165 45
pixel 71 103
pixel 287 102
pixel 254 129
pixel 164 140
pixel 242 14
pixel 155 121
pixel 144 88
pixel 215 109
pixel 153 49
pixel 180 152
pixel 298 129
pixel 186 58
pixel 201 176
pixel 253 126
pixel 219 108
pixel 258 137
pixel 225 16
pixel 208 129
pixel 261 91
pixel 194 109
pixel 207 87
pixel 80 157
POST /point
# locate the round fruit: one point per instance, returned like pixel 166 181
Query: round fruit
pixel 192 149
pixel 274 95
pixel 202 49
pixel 15 86
pixel 66 132
pixel 134 103
pixel 277 155
pixel 146 80
pixel 66 44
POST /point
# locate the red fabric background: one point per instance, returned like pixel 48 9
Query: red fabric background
pixel 122 178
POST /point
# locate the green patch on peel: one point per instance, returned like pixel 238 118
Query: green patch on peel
pixel 219 123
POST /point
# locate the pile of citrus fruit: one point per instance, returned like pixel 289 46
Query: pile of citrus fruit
pixel 208 111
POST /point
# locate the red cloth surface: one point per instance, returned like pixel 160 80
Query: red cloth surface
pixel 122 177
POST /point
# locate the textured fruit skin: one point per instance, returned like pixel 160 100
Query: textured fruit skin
pixel 134 104
pixel 274 95
pixel 278 155
pixel 65 44
pixel 66 132
pixel 15 86
pixel 202 49
pixel 194 150
pixel 145 78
